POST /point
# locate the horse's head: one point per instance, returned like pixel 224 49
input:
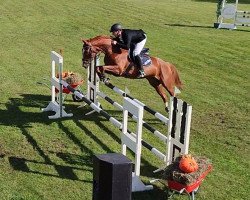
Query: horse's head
pixel 93 47
pixel 88 53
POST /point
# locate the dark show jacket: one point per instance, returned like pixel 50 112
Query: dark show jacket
pixel 130 37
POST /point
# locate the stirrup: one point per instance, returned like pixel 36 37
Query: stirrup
pixel 106 80
pixel 142 74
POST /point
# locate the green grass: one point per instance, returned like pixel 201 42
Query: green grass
pixel 52 159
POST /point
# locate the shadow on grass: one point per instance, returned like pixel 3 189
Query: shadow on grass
pixel 146 169
pixel 191 26
pixel 64 172
pixel 15 116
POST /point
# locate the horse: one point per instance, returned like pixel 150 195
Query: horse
pixel 160 74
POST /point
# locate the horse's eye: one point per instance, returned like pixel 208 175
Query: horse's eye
pixel 86 47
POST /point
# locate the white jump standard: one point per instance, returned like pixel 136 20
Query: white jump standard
pixel 54 105
pixel 133 143
pixel 229 17
pixel 178 136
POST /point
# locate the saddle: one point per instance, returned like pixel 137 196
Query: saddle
pixel 145 58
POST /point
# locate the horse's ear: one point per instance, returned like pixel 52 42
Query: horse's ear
pixel 84 41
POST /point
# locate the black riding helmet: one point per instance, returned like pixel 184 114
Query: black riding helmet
pixel 116 27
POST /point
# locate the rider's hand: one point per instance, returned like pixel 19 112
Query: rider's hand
pixel 113 42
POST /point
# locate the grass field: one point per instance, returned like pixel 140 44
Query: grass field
pixel 52 159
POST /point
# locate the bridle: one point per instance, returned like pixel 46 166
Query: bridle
pixel 90 51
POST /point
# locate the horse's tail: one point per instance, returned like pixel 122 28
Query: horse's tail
pixel 176 77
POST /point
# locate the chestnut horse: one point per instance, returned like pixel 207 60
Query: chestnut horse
pixel 160 74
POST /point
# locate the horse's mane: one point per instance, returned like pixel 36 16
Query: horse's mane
pixel 103 37
pixel 100 37
pixel 100 40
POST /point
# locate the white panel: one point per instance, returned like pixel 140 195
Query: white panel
pixel 228 11
pixel 132 106
pixel 129 141
pixel 55 82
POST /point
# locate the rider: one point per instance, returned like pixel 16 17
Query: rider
pixel 132 40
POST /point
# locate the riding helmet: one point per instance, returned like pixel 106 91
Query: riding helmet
pixel 116 27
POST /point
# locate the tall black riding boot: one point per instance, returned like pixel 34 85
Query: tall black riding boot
pixel 138 64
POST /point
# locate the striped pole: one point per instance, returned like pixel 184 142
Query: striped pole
pixel 243 12
pixel 92 105
pixel 148 109
pixel 144 124
pixel 247 25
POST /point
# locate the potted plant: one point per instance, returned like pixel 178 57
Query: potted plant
pixel 218 12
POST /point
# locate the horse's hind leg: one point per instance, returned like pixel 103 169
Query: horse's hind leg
pixel 167 84
pixel 160 90
pixel 168 78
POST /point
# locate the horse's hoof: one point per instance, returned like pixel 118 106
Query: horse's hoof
pixel 166 109
pixel 101 79
pixel 106 80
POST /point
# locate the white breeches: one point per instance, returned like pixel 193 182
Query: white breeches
pixel 139 46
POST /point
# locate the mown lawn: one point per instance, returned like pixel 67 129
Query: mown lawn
pixel 52 159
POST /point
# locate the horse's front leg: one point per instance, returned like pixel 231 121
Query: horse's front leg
pixel 109 69
pixel 100 72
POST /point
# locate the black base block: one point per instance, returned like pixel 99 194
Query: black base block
pixel 112 177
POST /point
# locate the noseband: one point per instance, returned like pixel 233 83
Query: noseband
pixel 90 51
